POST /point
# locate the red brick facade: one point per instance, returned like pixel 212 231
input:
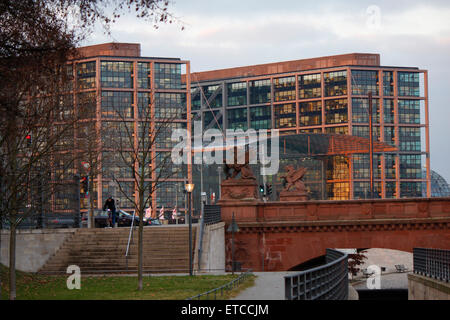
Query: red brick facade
pixel 277 236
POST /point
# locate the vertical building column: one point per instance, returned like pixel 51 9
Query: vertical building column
pixel 322 100
pixel 297 104
pixel 188 114
pixel 98 123
pixel 397 137
pixel 152 130
pixel 427 134
pixel 381 112
pixel 350 127
pixel 136 124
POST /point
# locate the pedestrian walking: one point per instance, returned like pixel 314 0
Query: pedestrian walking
pixel 110 204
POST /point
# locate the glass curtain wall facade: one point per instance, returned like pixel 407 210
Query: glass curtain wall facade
pixel 119 96
pixel 335 100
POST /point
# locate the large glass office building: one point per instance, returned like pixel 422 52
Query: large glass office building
pixel 114 88
pixel 329 95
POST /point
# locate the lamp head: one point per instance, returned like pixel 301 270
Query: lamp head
pixel 189 187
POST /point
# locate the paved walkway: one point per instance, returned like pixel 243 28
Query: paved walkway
pixel 268 286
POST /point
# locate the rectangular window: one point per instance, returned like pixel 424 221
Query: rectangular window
pixel 361 166
pixel 170 106
pixel 363 132
pixel 196 96
pixel 364 82
pixel 338 191
pixel 409 111
pixel 211 120
pixel 336 111
pixel 410 166
pixel 361 190
pixel 144 105
pixel 116 74
pixel 164 136
pixel 310 113
pixel 408 84
pixel 390 189
pixel 309 86
pixel 86 73
pixel 409 139
pixel 360 110
pixel 144 75
pixel 335 83
pixel 117 165
pixel 337 130
pixel 285 115
pixel 389 166
pixel 260 117
pixel 389 135
pixel 167 76
pixel 117 104
pixel 388 106
pixel 116 134
pixel 259 91
pixel 213 95
pixel 410 189
pixel 388 83
pixel 237 94
pixel 284 89
pixel 237 118
pixel 87 104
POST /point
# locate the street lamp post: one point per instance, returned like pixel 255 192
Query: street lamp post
pixel 189 188
pixel 233 228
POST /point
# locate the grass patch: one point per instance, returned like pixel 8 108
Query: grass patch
pixel 43 287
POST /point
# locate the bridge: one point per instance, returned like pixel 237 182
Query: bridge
pixel 278 236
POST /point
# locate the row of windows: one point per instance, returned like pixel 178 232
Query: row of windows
pixel 309 86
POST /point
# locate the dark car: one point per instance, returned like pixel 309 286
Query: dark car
pixel 124 219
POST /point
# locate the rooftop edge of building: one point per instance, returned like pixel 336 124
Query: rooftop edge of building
pixel 349 59
pixel 111 49
pixel 115 49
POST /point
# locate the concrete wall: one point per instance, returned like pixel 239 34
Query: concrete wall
pixel 33 247
pixel 425 288
pixel 213 255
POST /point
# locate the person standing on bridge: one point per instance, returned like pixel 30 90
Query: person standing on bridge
pixel 110 204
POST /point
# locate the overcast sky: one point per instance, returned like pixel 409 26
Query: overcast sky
pixel 222 34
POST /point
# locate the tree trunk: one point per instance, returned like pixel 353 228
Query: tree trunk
pixel 12 262
pixel 140 252
pixel 91 202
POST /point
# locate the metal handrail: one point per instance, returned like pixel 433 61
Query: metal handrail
pixel 129 240
pixel 228 286
pixel 327 282
pixel 434 263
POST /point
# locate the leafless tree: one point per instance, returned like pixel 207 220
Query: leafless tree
pixel 135 148
pixel 37 39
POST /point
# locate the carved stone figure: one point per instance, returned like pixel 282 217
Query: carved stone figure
pixel 244 168
pixel 294 187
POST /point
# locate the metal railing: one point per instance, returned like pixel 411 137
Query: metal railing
pixel 218 292
pixel 327 282
pixel 129 240
pixel 212 214
pixel 434 263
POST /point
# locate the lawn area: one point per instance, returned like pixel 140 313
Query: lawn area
pixel 32 286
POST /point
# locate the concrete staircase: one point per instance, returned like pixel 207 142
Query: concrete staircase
pixel 166 249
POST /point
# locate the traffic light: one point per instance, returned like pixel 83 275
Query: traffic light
pixel 261 189
pixel 28 140
pixel 84 185
pixel 268 189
